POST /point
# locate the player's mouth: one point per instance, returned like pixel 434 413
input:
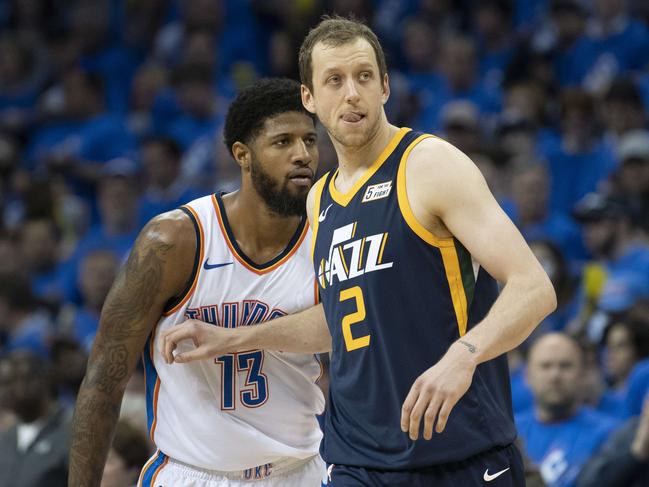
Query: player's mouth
pixel 352 118
pixel 301 177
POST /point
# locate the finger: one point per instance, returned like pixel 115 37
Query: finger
pixel 430 415
pixel 200 353
pixel 444 413
pixel 174 336
pixel 408 404
pixel 416 415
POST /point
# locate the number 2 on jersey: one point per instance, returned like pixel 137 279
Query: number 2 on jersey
pixel 255 392
pixel 357 316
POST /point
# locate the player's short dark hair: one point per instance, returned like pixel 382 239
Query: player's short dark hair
pixel 337 31
pixel 264 99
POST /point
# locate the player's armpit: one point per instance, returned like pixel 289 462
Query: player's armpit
pixel 157 269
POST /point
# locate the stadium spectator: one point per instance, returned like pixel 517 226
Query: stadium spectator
pixel 621 43
pixel 22 323
pixel 631 181
pixel 458 79
pixel 618 274
pixel 577 160
pixel 623 461
pixel 533 216
pixel 164 189
pixel 38 241
pixel 129 452
pixel 34 452
pixel 97 270
pixel 560 434
pixel 68 368
pixel 622 112
pixel 492 26
pixel 626 343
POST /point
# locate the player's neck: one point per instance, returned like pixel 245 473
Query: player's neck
pixel 260 233
pixel 354 161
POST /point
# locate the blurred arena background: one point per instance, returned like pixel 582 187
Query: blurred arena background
pixel 111 112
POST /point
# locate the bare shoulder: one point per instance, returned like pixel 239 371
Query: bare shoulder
pixel 439 174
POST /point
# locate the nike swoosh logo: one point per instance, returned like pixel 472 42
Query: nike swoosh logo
pixel 323 215
pixel 489 478
pixel 207 266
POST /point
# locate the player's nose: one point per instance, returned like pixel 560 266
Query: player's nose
pixel 351 92
pixel 301 153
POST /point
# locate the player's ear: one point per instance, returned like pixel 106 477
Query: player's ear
pixel 385 88
pixel 307 99
pixel 241 154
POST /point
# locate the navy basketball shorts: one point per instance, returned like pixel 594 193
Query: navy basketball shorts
pixel 499 467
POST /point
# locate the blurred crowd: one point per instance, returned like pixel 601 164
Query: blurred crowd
pixel 111 112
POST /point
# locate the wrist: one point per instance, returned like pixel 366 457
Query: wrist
pixel 465 351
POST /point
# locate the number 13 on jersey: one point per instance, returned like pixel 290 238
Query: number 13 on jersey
pixel 351 343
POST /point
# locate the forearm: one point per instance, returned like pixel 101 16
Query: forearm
pixel 522 304
pixel 93 426
pixel 303 332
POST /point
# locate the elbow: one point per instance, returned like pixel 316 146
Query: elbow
pixel 548 294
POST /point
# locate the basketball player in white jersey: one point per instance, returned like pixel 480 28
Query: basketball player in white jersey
pixel 233 260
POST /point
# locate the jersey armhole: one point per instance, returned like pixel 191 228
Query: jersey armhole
pixel 176 302
pixel 319 188
pixel 404 204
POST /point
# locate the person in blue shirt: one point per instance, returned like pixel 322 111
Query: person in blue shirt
pixel 119 222
pixel 560 434
pixel 534 218
pixel 164 188
pixel 626 343
pixel 577 159
pixel 458 79
pixel 39 240
pixel 637 388
pixel 618 275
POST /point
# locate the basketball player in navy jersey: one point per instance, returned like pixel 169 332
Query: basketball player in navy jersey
pixel 408 245
pixel 235 260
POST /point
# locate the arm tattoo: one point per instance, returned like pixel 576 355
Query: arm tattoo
pixel 124 327
pixel 138 285
pixel 471 348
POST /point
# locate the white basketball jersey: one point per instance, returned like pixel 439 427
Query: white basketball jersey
pixel 244 409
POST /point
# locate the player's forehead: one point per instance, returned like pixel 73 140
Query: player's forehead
pixel 358 52
pixel 287 123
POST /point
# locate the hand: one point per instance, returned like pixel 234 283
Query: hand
pixel 209 341
pixel 435 392
pixel 640 444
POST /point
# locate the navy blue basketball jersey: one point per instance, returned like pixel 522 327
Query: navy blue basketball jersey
pixel 395 298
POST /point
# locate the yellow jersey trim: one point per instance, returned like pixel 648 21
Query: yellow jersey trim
pixel 319 188
pixel 343 199
pixel 445 245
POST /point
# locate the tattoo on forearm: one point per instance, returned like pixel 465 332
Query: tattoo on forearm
pixel 471 348
pixel 95 416
pixel 122 331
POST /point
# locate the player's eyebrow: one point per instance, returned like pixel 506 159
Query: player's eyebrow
pixel 281 135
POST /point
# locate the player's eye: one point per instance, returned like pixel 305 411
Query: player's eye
pixel 365 76
pixel 310 141
pixel 333 80
pixel 281 142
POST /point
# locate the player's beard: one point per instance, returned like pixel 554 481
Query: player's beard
pixel 277 195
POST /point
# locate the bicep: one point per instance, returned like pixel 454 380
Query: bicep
pixel 157 268
pixel 450 186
